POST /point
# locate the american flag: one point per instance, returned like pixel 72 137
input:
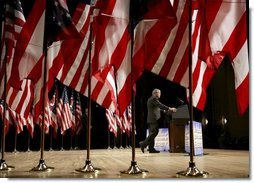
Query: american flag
pixel 114 49
pixel 14 20
pixel 64 114
pixel 30 40
pixel 12 25
pixel 59 25
pixel 19 101
pixel 117 51
pixel 78 115
pixel 169 60
pixel 150 32
pixel 29 49
pixel 58 53
pixel 47 118
pixel 50 114
pixel 57 16
pixel 105 93
pixel 72 107
pixel 112 125
pixel 127 120
pixel 74 73
pixel 53 104
pixel 119 122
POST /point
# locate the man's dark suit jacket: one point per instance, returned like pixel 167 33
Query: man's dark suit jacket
pixel 154 108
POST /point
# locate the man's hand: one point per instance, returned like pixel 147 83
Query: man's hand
pixel 172 109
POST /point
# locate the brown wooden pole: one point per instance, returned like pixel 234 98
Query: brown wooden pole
pixel 133 169
pixel 3 164
pixel 191 171
pixel 42 166
pixel 88 165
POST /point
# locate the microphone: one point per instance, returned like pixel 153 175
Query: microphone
pixel 181 102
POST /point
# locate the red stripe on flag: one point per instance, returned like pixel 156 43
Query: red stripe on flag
pixel 176 44
pixel 237 38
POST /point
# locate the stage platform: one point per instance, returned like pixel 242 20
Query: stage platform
pixel 220 164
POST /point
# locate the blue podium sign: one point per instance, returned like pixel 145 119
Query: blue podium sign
pixel 161 140
pixel 197 137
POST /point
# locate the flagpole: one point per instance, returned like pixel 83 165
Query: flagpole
pixel 121 138
pixel 133 169
pixel 62 139
pixel 71 141
pixel 73 116
pixel 51 139
pixel 76 142
pixel 114 143
pixel 42 165
pixel 118 127
pixel 28 143
pixel 15 141
pixel 88 165
pixel 192 170
pixel 3 164
pixel 108 141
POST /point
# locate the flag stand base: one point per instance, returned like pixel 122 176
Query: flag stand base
pixel 88 168
pixel 42 167
pixel 192 172
pixel 4 166
pixel 134 169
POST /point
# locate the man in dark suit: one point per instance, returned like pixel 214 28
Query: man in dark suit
pixel 154 107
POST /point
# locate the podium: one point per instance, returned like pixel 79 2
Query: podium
pixel 197 137
pixel 177 129
pixel 161 141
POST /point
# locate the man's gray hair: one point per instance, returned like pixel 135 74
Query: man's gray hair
pixel 156 91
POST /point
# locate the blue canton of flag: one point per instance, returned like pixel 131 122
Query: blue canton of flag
pixel 65 96
pixel 14 20
pixel 59 22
